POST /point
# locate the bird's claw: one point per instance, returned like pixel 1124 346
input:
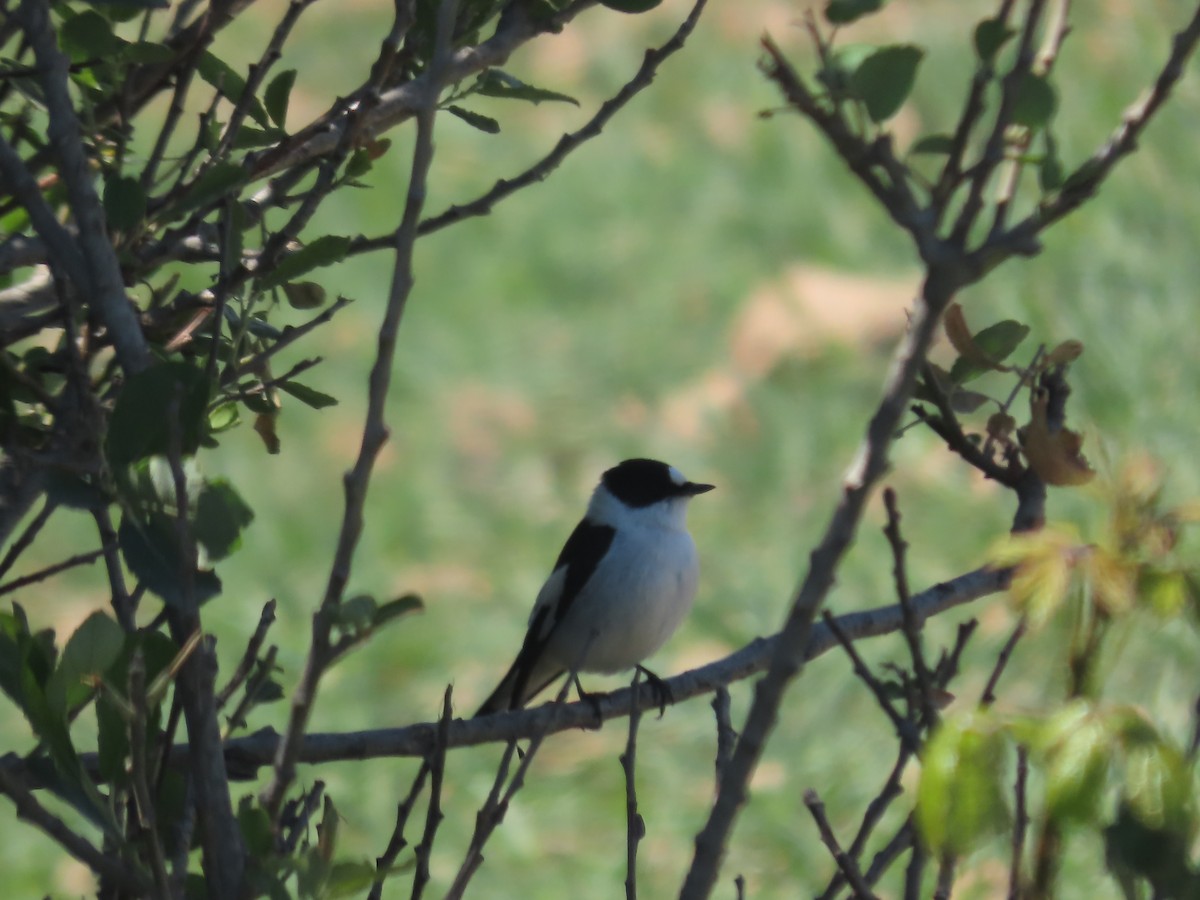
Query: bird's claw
pixel 659 690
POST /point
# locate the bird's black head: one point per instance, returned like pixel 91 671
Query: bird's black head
pixel 641 482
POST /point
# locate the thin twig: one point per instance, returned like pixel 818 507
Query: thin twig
pixel 904 728
pixel 246 664
pixel 433 812
pixel 375 432
pixel 397 842
pixel 635 825
pixel 726 736
pixel 847 865
pixel 139 775
pixel 21 544
pixel 79 559
pixel 989 691
pixel 1020 824
pixel 540 170
pixel 911 629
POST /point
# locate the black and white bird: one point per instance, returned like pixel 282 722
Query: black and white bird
pixel 622 584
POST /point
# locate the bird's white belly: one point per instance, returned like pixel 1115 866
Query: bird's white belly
pixel 627 611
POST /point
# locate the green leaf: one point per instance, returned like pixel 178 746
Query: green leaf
pixel 221 515
pixel 961 795
pixel 1035 102
pixel 248 136
pixel 124 202
pixel 395 609
pixel 631 6
pixel 474 119
pixel 304 294
pixel 349 878
pixel 89 36
pixel 324 251
pixel 140 424
pixel 223 418
pixel 307 395
pixel 223 179
pixel 151 551
pixel 1076 770
pixel 843 12
pixel 357 612
pixel 1050 171
pixel 495 83
pixel 998 341
pixel 89 653
pixel 933 144
pixel 277 95
pixel 149 53
pixel 990 36
pixel 885 78
pixel 255 825
pixel 230 84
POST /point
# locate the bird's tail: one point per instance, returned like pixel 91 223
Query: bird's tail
pixel 518 686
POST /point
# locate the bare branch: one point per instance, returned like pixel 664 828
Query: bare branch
pixel 788 658
pixel 79 559
pixel 418 740
pixel 375 432
pixel 103 283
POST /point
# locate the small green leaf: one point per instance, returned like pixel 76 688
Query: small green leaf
pixel 149 53
pixel 990 36
pixel 1050 171
pixel 304 294
pixel 89 36
pixel 933 144
pixel 140 424
pixel 151 551
pixel 885 78
pixel 357 612
pixel 221 516
pixel 230 84
pixel 1076 772
pixel 223 418
pixel 255 826
pixel 474 119
pixel 998 341
pixel 349 878
pixel 495 83
pixel 843 12
pixel 1035 102
pixel 960 798
pixel 395 609
pixel 631 6
pixel 248 137
pixel 124 203
pixel 307 395
pixel 223 179
pixel 94 646
pixel 324 251
pixel 277 96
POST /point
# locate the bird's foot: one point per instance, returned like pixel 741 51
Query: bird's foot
pixel 592 700
pixel 659 689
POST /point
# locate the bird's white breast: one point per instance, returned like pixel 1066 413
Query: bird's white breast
pixel 638 595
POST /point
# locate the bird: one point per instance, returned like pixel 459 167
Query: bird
pixel 623 583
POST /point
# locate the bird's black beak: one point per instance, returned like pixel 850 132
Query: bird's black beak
pixel 692 488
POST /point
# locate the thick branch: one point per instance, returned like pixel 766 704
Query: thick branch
pixel 245 755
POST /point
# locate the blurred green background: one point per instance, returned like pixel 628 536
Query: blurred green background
pixel 708 287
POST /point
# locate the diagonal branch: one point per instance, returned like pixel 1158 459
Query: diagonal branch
pixel 375 431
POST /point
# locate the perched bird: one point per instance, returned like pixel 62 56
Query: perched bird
pixel 622 584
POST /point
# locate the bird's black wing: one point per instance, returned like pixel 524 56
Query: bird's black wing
pixel 579 557
pixel 580 554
